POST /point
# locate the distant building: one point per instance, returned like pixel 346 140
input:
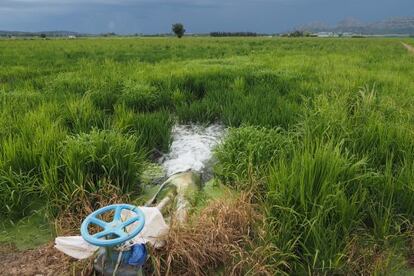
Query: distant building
pixel 71 37
pixel 327 34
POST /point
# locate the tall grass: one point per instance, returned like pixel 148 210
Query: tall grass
pixel 91 166
pixel 152 129
pixel 18 194
pixel 344 170
pixel 91 158
pixel 81 115
pixel 34 140
pixel 144 98
pixel 316 198
pixel 322 132
pixel 243 98
pixel 247 152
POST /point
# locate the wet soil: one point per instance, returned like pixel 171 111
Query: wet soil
pixel 44 260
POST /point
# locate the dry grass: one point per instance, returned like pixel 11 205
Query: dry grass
pixel 218 239
pixel 70 221
pixel 225 237
pixel 46 260
pixel 369 257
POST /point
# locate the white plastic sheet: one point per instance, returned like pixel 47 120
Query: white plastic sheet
pixel 154 233
pixel 155 229
pixel 75 246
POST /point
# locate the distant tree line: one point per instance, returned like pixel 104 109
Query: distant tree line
pixel 220 34
pixel 298 34
pixel 40 34
pixel 109 34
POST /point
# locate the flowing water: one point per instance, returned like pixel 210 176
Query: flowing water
pixel 192 148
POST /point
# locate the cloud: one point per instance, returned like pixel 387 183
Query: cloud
pixel 14 3
pixel 153 16
pixel 54 7
pixel 62 6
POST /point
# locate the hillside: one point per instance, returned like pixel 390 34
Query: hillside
pixel 48 33
pixel 397 25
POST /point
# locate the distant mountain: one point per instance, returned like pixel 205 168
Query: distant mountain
pixel 397 25
pixel 402 25
pixel 47 33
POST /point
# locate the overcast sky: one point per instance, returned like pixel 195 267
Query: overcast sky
pixel 198 16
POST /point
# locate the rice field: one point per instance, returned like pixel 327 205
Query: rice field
pixel 321 135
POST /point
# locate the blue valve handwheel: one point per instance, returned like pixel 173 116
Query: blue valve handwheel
pixel 113 232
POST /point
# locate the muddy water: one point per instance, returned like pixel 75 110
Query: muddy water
pixel 192 148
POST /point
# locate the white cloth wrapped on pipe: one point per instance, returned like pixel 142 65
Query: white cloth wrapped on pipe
pixel 154 232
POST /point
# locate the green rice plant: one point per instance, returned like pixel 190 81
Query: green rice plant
pixel 80 115
pixel 178 97
pixel 197 84
pixel 317 198
pixel 98 157
pixel 19 193
pixel 144 98
pixel 235 106
pixel 341 167
pixel 382 140
pixel 153 130
pixel 200 112
pixel 32 143
pixel 267 109
pixel 249 151
pixel 35 138
pixel 92 166
pixel 357 119
pixel 404 189
pixel 391 198
pixel 20 100
pixel 105 96
pixel 239 84
pixel 326 117
pixel 70 82
pixel 264 80
pixel 18 154
pixel 51 186
pixel 380 136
